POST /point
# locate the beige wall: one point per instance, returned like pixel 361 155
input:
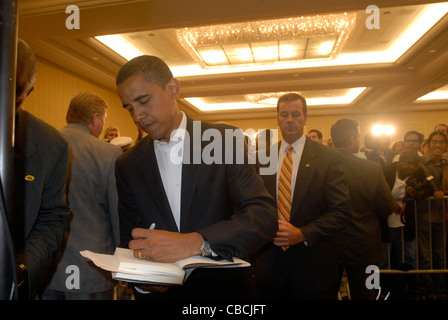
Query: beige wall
pixel 55 88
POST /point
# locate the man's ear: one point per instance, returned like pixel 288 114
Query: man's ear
pixel 94 118
pixel 174 86
pixel 352 143
pixel 91 124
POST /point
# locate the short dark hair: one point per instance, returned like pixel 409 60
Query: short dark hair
pixel 153 69
pixel 420 136
pixel 342 131
pixel 409 156
pixel 292 97
pixel 319 134
pixel 440 124
pixel 437 133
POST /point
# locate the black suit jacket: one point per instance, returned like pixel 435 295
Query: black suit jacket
pixel 226 203
pixel 359 244
pixel 40 212
pixel 320 208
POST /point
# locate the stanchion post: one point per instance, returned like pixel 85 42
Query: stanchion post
pixel 8 45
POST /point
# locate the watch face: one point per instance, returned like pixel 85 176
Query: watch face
pixel 206 251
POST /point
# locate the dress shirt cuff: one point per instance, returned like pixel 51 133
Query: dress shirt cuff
pixel 141 290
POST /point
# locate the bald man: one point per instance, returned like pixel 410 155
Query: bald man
pixel 40 212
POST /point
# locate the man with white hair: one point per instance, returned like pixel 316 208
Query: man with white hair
pixel 93 199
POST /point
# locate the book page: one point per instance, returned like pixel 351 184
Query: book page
pixel 124 262
pixel 157 279
pixel 104 261
pixel 130 264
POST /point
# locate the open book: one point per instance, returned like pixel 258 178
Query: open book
pixel 125 267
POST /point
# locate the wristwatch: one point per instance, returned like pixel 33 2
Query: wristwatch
pixel 206 251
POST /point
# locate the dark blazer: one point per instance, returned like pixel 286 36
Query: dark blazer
pixel 320 208
pixel 226 203
pixel 41 212
pixel 359 244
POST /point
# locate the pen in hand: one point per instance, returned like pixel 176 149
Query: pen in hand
pixel 153 225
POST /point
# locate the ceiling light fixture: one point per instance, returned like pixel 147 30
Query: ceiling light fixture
pixel 268 41
pixel 440 94
pixel 120 45
pixel 269 100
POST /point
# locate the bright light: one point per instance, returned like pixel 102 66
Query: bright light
pixel 440 94
pixel 325 48
pixel 377 130
pixel 382 130
pixel 288 51
pixel 349 97
pixel 389 130
pixel 239 54
pixel 269 101
pixel 120 45
pixel 213 55
pixel 265 51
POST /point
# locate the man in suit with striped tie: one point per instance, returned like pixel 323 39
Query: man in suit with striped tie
pixel 313 206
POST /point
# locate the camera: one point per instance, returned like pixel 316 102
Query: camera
pixel 419 185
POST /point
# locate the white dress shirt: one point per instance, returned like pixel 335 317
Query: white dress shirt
pixel 399 193
pixel 169 157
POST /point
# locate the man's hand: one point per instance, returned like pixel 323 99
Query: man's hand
pixel 414 193
pixel 287 235
pixel 164 246
pixel 397 209
pixel 439 195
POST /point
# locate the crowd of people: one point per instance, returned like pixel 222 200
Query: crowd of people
pixel 326 212
pixel 414 233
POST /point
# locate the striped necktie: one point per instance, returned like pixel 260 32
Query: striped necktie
pixel 284 195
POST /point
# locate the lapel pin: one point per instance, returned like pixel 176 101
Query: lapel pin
pixel 29 177
pixel 307 165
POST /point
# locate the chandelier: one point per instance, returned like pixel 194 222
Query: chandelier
pixel 266 98
pixel 268 41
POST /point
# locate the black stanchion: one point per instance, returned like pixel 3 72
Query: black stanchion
pixel 8 45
